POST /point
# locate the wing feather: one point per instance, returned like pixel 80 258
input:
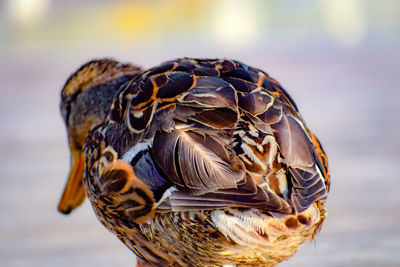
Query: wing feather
pixel 194 111
pixel 298 151
pixel 196 166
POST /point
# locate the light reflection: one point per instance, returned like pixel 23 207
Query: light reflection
pixel 345 20
pixel 235 23
pixel 27 12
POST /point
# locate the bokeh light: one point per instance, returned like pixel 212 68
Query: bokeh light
pixel 27 12
pixel 236 23
pixel 345 20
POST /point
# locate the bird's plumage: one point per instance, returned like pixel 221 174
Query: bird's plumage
pixel 85 101
pixel 206 162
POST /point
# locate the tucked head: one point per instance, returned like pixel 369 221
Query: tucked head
pixel 85 101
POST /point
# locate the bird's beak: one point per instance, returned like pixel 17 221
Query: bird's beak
pixel 74 191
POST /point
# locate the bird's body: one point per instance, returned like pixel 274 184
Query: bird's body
pixel 205 163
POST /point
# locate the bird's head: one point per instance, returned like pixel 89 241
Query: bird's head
pixel 85 101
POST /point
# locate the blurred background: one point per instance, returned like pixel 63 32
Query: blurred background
pixel 339 59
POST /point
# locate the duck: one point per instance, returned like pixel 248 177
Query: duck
pixel 85 99
pixel 194 162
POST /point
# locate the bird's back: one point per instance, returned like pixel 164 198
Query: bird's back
pixel 217 164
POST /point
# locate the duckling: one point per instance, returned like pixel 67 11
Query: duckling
pixel 201 162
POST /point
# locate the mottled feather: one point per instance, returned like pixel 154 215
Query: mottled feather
pixel 215 146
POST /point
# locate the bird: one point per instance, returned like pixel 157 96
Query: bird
pixel 85 99
pixel 194 162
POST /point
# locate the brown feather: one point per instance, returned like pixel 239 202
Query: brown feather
pixel 227 171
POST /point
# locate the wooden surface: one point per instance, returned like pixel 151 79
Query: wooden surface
pixel 349 97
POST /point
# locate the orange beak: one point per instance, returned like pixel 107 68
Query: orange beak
pixel 74 191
